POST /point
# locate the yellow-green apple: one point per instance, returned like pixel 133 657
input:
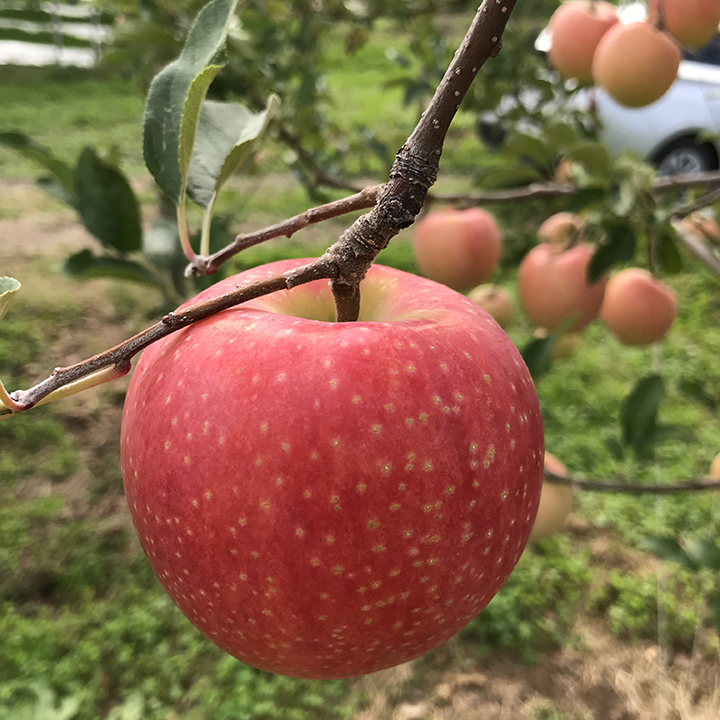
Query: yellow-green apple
pixel 559 228
pixel 691 22
pixel 459 248
pixel 328 499
pixel 564 347
pixel 553 286
pixel 576 28
pixel 638 308
pixel 555 502
pixel 635 64
pixel 496 302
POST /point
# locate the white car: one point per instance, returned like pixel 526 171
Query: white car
pixel 672 133
pixel 669 133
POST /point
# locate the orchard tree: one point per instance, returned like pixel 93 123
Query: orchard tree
pixel 333 466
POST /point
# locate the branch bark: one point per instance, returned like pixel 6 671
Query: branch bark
pixel 634 488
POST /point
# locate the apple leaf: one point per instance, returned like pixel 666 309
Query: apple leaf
pixel 620 247
pixel 107 204
pixel 584 198
pixel 667 250
pixel 704 553
pixel 529 147
pixel 54 188
pixel 695 390
pixel 537 355
pixel 8 287
pixel 161 243
pixel 593 155
pixel 86 265
pixel 226 135
pixel 560 134
pixel 639 413
pixel 61 172
pixel 669 550
pixel 176 96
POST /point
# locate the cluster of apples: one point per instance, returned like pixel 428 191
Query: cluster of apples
pixel 635 63
pixel 462 248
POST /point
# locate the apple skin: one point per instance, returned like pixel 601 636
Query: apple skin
pixel 496 302
pixel 638 309
pixel 553 287
pixel 560 227
pixel 325 499
pixel 636 64
pixel 555 502
pixel 691 22
pixel 458 248
pixel 577 28
pixel 715 468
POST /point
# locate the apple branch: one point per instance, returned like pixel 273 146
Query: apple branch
pixel 708 483
pixel 366 198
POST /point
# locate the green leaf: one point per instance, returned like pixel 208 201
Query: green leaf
pixel 161 243
pixel 560 134
pixel 584 198
pixel 639 413
pixel 529 147
pixel 669 550
pixel 176 96
pixel 107 204
pixel 537 355
pixel 695 390
pixel 60 171
pixel 619 247
pixel 8 287
pixel 668 252
pixel 704 553
pixel 54 188
pixel 86 265
pixel 226 136
pixel 715 611
pixel 593 155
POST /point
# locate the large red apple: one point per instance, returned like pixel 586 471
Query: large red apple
pixel 638 308
pixel 328 499
pixel 553 286
pixel 459 248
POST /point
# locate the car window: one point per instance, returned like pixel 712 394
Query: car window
pixel 709 54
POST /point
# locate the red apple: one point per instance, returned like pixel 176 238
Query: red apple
pixel 553 286
pixel 555 502
pixel 328 499
pixel 638 308
pixel 577 27
pixel 496 302
pixel 459 248
pixel 691 22
pixel 635 64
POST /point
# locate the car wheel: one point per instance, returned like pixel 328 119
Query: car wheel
pixel 686 157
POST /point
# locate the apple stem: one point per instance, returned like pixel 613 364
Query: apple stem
pixel 347 301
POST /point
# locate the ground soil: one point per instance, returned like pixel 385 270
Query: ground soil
pixel 598 678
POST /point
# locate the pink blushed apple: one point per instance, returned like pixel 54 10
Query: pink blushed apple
pixel 328 499
pixel 553 286
pixel 638 308
pixel 459 248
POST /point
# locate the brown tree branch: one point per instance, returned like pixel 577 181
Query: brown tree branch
pixel 633 488
pixel 366 198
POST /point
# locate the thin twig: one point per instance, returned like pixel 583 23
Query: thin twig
pixel 366 198
pixel 698 247
pixel 634 488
